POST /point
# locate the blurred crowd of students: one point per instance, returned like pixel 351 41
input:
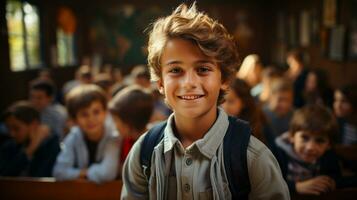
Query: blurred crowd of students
pixel 86 130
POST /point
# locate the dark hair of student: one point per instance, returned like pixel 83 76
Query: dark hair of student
pixel 134 106
pixel 23 111
pixel 44 85
pixel 251 112
pixel 315 119
pixel 83 96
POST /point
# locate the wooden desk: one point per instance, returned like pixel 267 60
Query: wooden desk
pixel 49 189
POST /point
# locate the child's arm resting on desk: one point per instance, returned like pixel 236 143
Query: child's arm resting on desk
pixel 64 167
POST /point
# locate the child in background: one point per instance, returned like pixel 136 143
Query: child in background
pixel 279 108
pixel 131 109
pixel 33 149
pixel 306 159
pixel 317 88
pixel 240 103
pixel 54 115
pixel 192 58
pixel 269 74
pixel 90 151
pixel 297 73
pixel 346 111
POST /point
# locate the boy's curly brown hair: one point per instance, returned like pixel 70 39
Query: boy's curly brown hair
pixel 210 36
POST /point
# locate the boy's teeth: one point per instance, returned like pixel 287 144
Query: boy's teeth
pixel 190 97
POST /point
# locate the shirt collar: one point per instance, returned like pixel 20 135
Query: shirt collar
pixel 210 142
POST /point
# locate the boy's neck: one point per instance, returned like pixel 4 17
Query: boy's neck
pixel 95 137
pixel 190 130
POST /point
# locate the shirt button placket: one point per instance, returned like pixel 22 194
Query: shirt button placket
pixel 188 161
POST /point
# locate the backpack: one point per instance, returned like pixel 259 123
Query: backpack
pixel 235 144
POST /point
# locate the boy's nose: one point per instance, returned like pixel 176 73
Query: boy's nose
pixel 189 80
pixel 311 145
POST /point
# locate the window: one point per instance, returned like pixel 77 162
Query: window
pixel 23 35
pixel 65 37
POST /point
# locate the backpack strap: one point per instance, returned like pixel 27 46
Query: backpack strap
pixel 235 147
pixel 152 138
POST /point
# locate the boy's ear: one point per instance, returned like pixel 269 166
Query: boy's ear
pixel 160 86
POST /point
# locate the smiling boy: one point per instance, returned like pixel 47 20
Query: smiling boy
pixel 192 57
pixel 90 151
pixel 307 160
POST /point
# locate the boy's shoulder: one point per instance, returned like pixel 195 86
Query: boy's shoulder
pixel 255 148
pixel 73 135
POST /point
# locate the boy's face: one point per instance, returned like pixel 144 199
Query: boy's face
pixel 190 80
pixel 309 147
pixel 341 105
pixel 232 104
pixel 19 130
pixel 91 119
pixel 40 99
pixel 281 102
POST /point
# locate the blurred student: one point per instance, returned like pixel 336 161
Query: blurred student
pixel 317 89
pixel 306 158
pixel 90 151
pixel 42 94
pixel 33 149
pixel 131 109
pixel 345 109
pixel 297 72
pixel 240 103
pixel 269 74
pixel 279 108
pixel 82 76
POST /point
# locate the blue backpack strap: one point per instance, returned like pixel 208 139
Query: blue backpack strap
pixel 235 147
pixel 152 138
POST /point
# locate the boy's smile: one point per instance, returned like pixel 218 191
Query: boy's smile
pixel 191 81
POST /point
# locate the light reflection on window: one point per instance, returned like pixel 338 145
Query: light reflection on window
pixel 23 35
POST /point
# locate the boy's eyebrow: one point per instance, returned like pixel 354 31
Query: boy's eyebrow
pixel 171 62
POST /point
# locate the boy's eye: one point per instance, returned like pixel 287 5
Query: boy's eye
pixel 305 138
pixel 175 70
pixel 202 69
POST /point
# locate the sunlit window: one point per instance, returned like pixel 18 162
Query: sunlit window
pixel 24 35
pixel 66 37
